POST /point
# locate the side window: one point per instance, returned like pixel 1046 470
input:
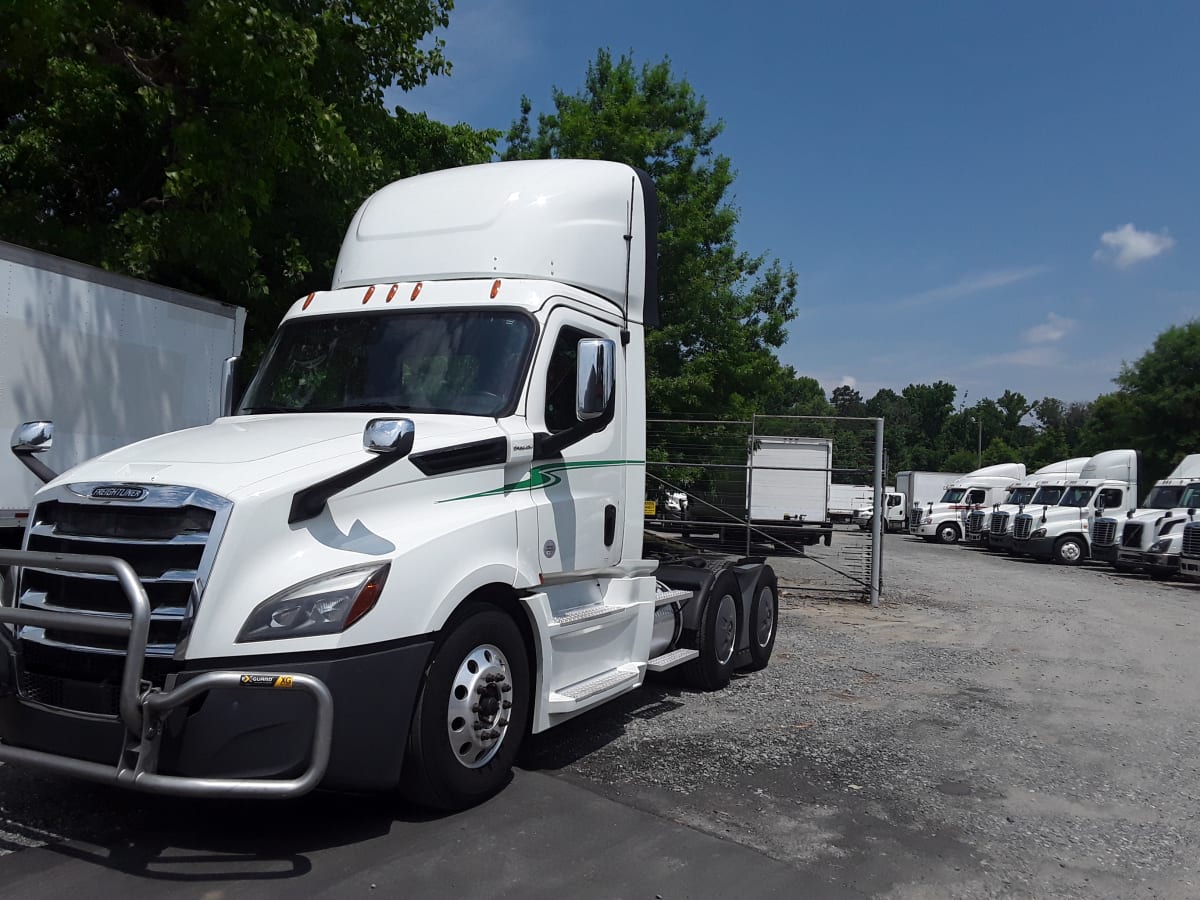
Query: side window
pixel 893 500
pixel 976 496
pixel 560 380
pixel 1112 497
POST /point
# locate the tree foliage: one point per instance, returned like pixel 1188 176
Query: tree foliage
pixel 724 311
pixel 218 146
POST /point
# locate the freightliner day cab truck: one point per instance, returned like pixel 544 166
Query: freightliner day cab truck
pixel 418 539
pixel 1126 542
pixel 922 489
pixel 1061 531
pixel 993 529
pixel 945 521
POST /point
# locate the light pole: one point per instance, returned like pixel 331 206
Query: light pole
pixel 979 440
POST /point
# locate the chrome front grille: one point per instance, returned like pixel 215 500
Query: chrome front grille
pixel 1022 526
pixel 1131 535
pixel 1104 532
pixel 1191 540
pixel 975 522
pixel 169 539
pixel 999 523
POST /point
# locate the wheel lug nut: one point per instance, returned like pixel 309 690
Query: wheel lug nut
pixel 506 688
pixel 474 707
pixel 502 722
pixel 507 704
pixel 479 688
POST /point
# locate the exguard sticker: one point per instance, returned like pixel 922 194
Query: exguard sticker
pixel 279 681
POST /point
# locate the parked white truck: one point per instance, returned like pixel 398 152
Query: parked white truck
pixel 110 359
pixel 1127 542
pixel 418 539
pixel 922 489
pixel 895 516
pixel 1189 551
pixel 993 528
pixel 847 499
pixel 945 520
pixel 1061 531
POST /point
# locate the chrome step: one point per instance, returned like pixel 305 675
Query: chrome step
pixel 571 697
pixel 586 614
pixel 672 597
pixel 672 659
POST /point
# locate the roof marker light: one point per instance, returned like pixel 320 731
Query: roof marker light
pixel 367 295
pixel 416 291
pixel 391 293
pixel 308 300
pixel 495 288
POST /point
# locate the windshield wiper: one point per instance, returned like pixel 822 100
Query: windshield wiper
pixel 254 410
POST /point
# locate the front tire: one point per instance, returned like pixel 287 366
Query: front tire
pixel 1069 551
pixel 948 533
pixel 716 638
pixel 472 714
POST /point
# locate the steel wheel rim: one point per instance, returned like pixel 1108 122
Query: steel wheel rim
pixel 1070 551
pixel 478 709
pixel 726 628
pixel 766 616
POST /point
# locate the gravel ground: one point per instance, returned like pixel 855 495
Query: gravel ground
pixel 998 728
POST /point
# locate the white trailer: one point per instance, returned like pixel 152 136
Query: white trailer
pixel 110 359
pixel 418 539
pixel 922 489
pixel 790 479
pixel 847 499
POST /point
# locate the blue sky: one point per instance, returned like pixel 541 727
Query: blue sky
pixel 999 195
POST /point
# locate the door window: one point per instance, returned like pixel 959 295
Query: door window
pixel 560 380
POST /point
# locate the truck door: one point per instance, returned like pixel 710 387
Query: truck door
pixel 579 494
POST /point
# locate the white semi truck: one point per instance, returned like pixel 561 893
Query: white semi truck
pixel 1127 542
pixel 922 489
pixel 111 359
pixel 1189 550
pixel 993 528
pixel 1061 530
pixel 418 538
pixel 945 520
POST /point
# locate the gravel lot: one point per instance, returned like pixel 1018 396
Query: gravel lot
pixel 998 728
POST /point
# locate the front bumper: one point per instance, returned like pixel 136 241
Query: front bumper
pixel 1189 568
pixel 1161 565
pixel 243 727
pixel 1000 541
pixel 1039 548
pixel 1105 552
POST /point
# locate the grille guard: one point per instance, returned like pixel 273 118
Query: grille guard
pixel 143 707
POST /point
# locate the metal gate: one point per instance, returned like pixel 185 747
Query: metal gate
pixel 763 487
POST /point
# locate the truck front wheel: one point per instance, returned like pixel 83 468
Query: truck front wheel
pixel 1069 551
pixel 948 533
pixel 472 714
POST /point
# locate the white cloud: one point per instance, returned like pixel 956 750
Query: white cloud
pixel 1126 246
pixel 849 381
pixel 968 285
pixel 1054 329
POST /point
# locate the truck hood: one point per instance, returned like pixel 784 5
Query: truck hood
pixel 234 454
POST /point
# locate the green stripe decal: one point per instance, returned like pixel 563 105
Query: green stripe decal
pixel 547 476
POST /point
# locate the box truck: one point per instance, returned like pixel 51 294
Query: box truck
pixel 921 489
pixel 110 359
pixel 418 538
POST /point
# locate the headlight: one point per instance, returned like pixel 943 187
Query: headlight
pixel 1160 546
pixel 327 604
pixel 1041 532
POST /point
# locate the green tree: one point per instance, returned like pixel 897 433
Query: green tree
pixel 1000 451
pixel 847 401
pixel 218 146
pixel 724 312
pixel 1163 387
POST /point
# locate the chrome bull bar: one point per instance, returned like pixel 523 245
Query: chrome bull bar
pixel 142 706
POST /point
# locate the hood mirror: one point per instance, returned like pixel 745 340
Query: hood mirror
pixel 33 437
pixel 389 436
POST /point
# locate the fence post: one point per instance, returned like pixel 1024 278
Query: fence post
pixel 877 528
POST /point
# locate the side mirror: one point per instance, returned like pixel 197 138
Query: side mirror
pixel 30 438
pixel 228 380
pixel 33 437
pixel 595 378
pixel 389 436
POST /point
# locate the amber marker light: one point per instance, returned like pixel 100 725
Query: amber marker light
pixel 391 293
pixel 308 300
pixel 495 288
pixel 416 291
pixel 368 596
pixel 367 295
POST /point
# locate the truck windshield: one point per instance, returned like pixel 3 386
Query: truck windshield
pixel 1048 495
pixel 1191 497
pixel 1020 496
pixel 1077 496
pixel 1164 496
pixel 467 363
pixel 953 495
